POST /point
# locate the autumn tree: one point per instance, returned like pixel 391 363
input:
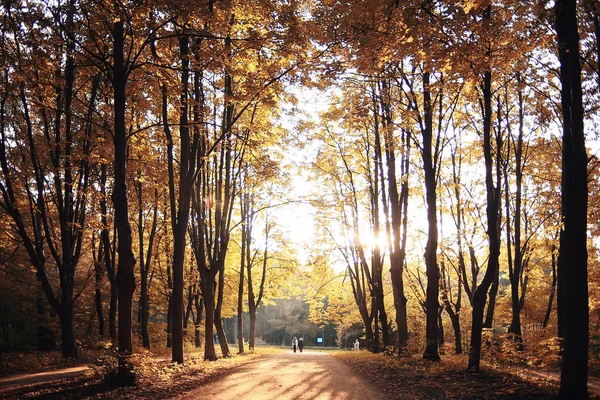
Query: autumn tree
pixel 47 137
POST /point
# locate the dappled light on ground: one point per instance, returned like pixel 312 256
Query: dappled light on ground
pixel 308 375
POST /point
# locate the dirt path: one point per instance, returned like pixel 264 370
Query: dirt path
pixel 17 381
pixel 554 377
pixel 308 375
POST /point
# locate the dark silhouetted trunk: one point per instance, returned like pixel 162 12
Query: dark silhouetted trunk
pixel 58 180
pixel 218 322
pixel 180 210
pixel 453 312
pixel 493 292
pixel 208 293
pixel 245 216
pixel 433 276
pixel 98 275
pixel 125 274
pixel 199 304
pixel 68 346
pixel 109 256
pixel 188 309
pixel 552 289
pixel 516 268
pixel 169 343
pixel 145 256
pixel 252 332
pixel 492 197
pixel 572 256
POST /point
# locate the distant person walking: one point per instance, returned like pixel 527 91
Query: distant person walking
pixel 356 345
pixel 301 344
pixel 295 344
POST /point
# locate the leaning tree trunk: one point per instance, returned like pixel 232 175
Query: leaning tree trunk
pixel 218 322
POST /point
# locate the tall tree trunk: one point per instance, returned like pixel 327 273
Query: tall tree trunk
pixel 109 257
pixel 181 217
pixel 180 210
pixel 125 275
pixel 145 260
pixel 572 258
pixel 433 276
pixel 480 293
pixel 240 303
pixel 493 293
pixel 398 204
pixel 516 272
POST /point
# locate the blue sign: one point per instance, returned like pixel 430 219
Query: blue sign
pixel 319 340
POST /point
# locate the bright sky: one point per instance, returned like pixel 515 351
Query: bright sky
pixel 297 219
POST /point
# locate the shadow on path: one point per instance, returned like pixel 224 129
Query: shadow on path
pixel 308 375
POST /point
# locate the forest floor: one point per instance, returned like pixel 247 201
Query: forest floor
pixel 281 374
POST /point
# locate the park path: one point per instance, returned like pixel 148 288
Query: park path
pixel 17 381
pixel 554 377
pixel 307 375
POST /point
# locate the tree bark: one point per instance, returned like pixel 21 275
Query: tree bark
pixel 218 322
pixel 125 277
pixel 98 273
pixel 433 276
pixel 109 258
pixel 572 258
pixel 480 293
pixel 199 303
pixel 208 293
pixel 552 289
pixel 252 332
pixel 244 212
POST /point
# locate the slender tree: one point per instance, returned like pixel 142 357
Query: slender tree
pixel 572 255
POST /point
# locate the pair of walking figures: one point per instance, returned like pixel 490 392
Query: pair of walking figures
pixel 297 343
